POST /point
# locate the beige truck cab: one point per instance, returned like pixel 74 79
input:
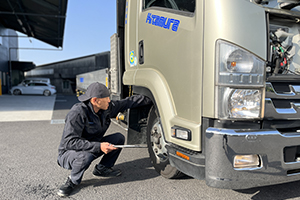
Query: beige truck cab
pixel 223 76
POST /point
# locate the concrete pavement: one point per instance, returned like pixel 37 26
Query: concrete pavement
pixel 26 108
pixel 28 168
pixel 35 107
pixel 30 136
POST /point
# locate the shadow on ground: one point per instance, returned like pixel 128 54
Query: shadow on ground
pixel 281 191
pixel 136 170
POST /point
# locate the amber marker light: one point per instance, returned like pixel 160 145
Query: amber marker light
pixel 182 155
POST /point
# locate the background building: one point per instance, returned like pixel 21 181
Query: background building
pixel 6 43
pixel 63 74
pixel 43 20
pixel 11 69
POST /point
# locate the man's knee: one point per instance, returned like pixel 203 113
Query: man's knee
pixel 84 158
pixel 121 138
pixel 76 158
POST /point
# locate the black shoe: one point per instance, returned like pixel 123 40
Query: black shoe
pixel 66 189
pixel 103 171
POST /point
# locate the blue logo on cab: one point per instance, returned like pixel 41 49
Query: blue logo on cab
pixel 163 22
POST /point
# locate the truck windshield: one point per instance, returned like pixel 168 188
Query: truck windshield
pixel 182 5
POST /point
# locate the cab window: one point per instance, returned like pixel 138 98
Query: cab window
pixel 182 5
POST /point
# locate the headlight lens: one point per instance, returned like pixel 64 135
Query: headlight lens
pixel 239 83
pixel 239 103
pixel 244 103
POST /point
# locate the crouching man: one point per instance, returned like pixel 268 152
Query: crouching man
pixel 83 137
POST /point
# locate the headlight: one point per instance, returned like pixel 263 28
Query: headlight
pixel 238 66
pixel 241 103
pixel 245 103
pixel 239 83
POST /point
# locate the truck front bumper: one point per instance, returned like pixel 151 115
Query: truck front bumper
pixel 278 155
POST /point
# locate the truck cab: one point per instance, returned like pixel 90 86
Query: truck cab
pixel 223 76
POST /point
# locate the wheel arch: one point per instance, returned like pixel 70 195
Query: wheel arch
pixel 151 83
pixel 17 89
pixel 157 91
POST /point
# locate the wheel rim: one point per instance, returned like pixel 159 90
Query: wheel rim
pixel 17 92
pixel 46 92
pixel 158 143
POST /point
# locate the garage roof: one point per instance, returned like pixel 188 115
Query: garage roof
pixel 40 19
pixel 22 66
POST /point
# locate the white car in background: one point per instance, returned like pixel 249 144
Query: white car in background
pixel 45 89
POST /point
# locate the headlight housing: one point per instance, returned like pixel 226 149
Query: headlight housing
pixel 239 83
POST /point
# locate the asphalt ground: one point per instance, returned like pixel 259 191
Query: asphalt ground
pixel 30 132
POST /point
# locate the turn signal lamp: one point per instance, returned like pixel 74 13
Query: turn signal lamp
pixel 246 161
pixel 233 64
pixel 182 155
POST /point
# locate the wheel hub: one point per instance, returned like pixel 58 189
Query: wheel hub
pixel 158 143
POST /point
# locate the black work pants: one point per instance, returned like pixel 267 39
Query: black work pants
pixel 79 161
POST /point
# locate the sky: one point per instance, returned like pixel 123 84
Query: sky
pixel 89 25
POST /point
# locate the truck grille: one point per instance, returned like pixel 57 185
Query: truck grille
pixel 282 101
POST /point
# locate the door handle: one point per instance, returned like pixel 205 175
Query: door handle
pixel 141 52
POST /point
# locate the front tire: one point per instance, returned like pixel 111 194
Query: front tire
pixel 47 93
pixel 17 92
pixel 157 147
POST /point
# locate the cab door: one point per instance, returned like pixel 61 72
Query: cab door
pixel 168 45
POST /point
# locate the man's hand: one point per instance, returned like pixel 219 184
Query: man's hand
pixel 107 147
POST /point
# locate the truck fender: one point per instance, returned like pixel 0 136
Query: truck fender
pixel 151 83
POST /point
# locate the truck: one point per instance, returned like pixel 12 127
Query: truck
pixel 223 76
pixel 85 79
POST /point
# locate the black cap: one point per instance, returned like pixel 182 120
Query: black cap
pixel 94 90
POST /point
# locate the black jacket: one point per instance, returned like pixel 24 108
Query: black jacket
pixel 84 128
